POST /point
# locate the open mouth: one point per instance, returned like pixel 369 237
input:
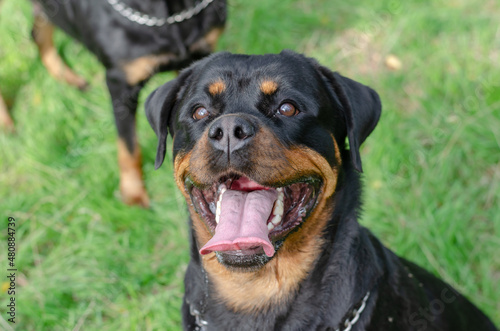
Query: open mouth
pixel 247 219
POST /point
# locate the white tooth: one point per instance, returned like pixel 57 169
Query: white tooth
pixel 279 189
pixel 278 205
pixel 219 203
pixel 276 220
pixel 278 208
pixel 218 211
pixel 270 226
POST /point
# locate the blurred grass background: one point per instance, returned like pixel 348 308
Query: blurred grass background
pixel 432 166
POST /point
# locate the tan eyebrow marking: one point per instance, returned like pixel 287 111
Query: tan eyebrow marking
pixel 268 87
pixel 217 87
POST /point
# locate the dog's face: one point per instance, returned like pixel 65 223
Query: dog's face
pixel 258 147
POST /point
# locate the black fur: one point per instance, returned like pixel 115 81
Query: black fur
pixel 353 262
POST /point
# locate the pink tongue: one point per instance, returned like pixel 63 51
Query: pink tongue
pixel 243 222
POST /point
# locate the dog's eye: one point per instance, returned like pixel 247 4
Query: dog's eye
pixel 288 110
pixel 200 113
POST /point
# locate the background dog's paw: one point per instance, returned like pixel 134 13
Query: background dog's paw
pixel 6 122
pixel 134 194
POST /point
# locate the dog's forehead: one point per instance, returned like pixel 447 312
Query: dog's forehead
pixel 266 72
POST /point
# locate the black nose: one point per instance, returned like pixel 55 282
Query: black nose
pixel 230 133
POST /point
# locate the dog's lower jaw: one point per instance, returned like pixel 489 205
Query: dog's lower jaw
pixel 275 283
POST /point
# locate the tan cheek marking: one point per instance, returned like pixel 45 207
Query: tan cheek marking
pixel 217 87
pixel 268 87
pixel 181 169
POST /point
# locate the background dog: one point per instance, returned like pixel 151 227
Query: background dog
pixel 133 40
pixel 274 198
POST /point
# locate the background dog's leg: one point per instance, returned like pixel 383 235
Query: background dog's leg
pixel 42 34
pixel 5 119
pixel 124 98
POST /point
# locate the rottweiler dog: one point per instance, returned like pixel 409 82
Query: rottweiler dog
pixel 273 191
pixel 133 39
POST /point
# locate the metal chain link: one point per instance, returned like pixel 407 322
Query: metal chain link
pixel 356 313
pixel 201 324
pixel 144 19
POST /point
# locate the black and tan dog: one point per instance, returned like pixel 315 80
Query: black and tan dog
pixel 133 39
pixel 274 197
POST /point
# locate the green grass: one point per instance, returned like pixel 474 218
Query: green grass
pixel 432 166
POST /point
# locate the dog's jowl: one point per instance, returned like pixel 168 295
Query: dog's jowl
pixel 273 191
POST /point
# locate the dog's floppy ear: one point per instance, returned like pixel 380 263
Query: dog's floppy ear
pixel 159 107
pixel 361 106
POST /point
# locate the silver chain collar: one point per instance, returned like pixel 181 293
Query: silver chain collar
pixel 347 325
pixel 201 324
pixel 144 19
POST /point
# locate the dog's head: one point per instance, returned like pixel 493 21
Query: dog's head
pixel 258 145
